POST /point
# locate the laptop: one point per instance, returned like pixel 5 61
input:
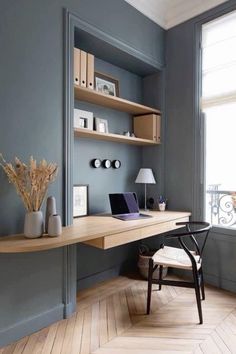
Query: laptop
pixel 124 206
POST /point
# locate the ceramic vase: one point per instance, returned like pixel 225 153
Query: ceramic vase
pixel 50 210
pixel 33 226
pixel 54 225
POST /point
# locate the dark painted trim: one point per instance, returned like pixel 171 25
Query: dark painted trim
pixel 220 282
pixel 69 280
pixel 69 252
pixel 31 325
pixel 68 116
pixel 116 42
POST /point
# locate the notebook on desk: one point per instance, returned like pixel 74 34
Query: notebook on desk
pixel 124 206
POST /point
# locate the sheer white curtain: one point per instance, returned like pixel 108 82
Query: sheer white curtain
pixel 219 105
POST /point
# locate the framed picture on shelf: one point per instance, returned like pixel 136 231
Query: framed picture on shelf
pixel 101 125
pixel 80 200
pixel 106 84
pixel 83 119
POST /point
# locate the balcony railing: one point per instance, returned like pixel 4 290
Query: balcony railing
pixel 221 206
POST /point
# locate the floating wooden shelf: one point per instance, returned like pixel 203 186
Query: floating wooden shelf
pixel 91 134
pixel 101 231
pixel 120 104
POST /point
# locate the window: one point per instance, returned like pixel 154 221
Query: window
pixel 219 108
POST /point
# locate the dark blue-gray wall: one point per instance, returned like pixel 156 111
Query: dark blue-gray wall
pixel 182 155
pixel 31 115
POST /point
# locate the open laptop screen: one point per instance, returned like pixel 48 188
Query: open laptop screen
pixel 123 203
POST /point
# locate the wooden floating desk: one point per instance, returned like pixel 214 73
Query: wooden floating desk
pixel 100 231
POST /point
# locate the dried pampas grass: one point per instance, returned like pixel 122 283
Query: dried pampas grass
pixel 31 181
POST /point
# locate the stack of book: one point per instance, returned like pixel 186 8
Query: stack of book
pixel 83 68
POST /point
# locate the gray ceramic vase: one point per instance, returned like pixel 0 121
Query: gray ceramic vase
pixel 50 210
pixel 33 226
pixel 54 225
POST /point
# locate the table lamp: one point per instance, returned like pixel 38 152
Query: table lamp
pixel 145 176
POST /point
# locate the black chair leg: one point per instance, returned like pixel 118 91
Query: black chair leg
pixel 150 271
pixel 160 275
pixel 198 295
pixel 202 284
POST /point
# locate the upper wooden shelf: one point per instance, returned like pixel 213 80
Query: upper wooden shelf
pixel 91 134
pixel 120 104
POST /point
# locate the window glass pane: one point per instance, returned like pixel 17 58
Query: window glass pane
pixel 220 180
pixel 220 54
pixel 219 82
pixel 219 29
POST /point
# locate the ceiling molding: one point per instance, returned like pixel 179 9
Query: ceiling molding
pixel 169 13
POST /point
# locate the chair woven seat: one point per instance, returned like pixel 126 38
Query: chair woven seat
pixel 175 257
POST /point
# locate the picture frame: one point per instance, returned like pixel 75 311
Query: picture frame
pixel 106 84
pixel 80 200
pixel 83 119
pixel 101 125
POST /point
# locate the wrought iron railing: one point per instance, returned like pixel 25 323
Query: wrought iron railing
pixel 221 206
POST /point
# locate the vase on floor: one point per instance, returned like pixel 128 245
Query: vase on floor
pixel 33 226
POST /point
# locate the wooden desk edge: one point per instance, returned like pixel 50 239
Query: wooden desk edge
pixel 70 236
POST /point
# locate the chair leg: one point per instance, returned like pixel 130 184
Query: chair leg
pixel 150 271
pixel 198 295
pixel 202 284
pixel 160 275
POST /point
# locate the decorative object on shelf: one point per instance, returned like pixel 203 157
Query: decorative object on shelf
pixel 80 200
pixel 150 203
pixel 31 183
pixel 106 163
pixel 54 225
pixel 50 210
pixel 83 119
pixel 33 225
pixel 126 133
pixel 116 163
pixel 148 126
pixel 162 203
pixel 145 176
pixel 106 84
pixel 101 125
pixel 96 163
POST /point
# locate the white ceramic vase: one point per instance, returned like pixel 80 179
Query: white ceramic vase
pixel 54 225
pixel 33 226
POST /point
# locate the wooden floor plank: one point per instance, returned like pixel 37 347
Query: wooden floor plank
pixel 20 346
pixel 95 325
pixel 77 335
pixel 111 325
pixel 48 343
pixel 42 335
pixel 86 335
pixel 67 342
pixel 57 345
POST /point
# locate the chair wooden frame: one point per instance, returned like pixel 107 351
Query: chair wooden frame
pixel 198 280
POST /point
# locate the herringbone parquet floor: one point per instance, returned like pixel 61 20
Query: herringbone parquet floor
pixel 111 320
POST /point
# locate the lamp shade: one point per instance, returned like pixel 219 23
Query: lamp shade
pixel 145 175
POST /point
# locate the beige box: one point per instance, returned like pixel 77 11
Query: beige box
pixel 148 127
